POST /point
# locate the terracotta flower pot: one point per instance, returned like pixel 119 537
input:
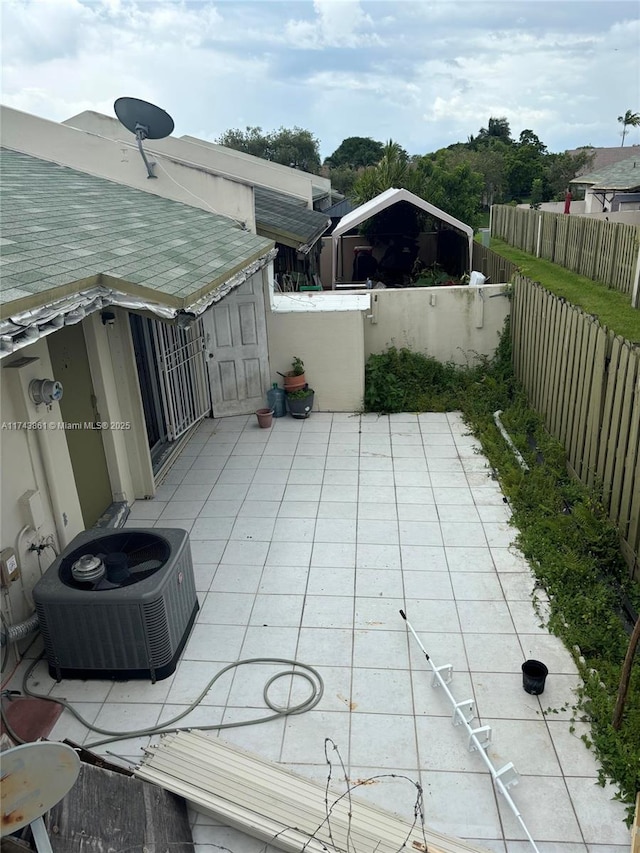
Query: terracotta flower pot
pixel 265 418
pixel 293 382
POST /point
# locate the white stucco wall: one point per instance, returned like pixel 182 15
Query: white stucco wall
pixel 331 345
pixel 120 161
pixel 224 161
pixel 447 323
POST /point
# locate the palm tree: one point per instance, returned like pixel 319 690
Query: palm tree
pixel 392 170
pixel 629 119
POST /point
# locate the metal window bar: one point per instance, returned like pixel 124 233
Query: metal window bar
pixel 183 383
pixel 479 737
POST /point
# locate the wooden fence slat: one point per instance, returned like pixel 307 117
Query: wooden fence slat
pixel 517 324
pixel 611 365
pixel 633 532
pixel 560 249
pixel 575 234
pixel 582 364
pixel 595 407
pixel 614 431
pixel 633 448
pixel 572 389
pixel 585 399
pixel 627 385
pixel 537 361
pixel 560 378
pixel 557 378
pixel 553 345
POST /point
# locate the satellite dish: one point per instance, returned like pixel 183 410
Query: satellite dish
pixel 146 121
pixel 35 776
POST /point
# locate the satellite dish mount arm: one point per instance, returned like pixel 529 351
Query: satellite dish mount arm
pixel 141 134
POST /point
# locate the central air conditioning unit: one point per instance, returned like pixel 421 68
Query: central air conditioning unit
pixel 118 604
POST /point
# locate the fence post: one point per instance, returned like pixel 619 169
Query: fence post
pixel 539 237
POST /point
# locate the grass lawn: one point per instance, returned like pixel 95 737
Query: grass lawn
pixel 612 308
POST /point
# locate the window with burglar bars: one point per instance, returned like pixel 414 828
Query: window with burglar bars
pixel 183 376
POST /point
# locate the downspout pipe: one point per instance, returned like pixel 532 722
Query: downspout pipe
pixel 507 438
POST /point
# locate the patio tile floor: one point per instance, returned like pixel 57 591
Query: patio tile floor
pixel 307 539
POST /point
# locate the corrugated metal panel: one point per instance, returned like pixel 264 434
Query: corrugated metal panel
pixel 276 806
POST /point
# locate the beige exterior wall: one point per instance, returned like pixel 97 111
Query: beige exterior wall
pixel 264 173
pixel 224 161
pixel 38 458
pixel 120 161
pixel 115 384
pixel 32 459
pixel 331 346
pixel 447 323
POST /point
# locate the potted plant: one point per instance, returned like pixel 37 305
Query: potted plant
pixel 294 379
pixel 300 402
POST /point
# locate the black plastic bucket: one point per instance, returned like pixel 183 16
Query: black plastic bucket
pixel 534 674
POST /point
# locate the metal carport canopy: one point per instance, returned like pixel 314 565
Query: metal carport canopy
pixel 384 200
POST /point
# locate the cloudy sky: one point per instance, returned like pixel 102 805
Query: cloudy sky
pixel 425 73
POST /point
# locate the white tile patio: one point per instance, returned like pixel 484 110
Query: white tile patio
pixel 307 539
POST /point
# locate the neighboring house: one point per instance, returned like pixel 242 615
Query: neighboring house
pixel 614 188
pixel 286 200
pixel 224 161
pixel 602 158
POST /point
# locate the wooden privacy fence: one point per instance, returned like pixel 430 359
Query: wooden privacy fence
pixel 585 382
pixel 603 251
pixel 497 270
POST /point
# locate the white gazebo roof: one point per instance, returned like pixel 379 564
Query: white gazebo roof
pixel 387 199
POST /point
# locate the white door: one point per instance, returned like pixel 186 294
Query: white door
pixel 238 358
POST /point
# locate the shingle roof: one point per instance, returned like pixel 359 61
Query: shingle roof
pixel 624 175
pixel 340 208
pixel 286 220
pixel 605 157
pixel 62 228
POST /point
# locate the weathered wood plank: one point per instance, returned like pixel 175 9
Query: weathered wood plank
pixel 582 385
pixel 633 452
pixel 612 359
pixel 614 432
pixel 113 811
pixel 595 407
pixel 627 384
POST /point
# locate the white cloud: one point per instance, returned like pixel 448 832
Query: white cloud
pixel 426 74
pixel 338 23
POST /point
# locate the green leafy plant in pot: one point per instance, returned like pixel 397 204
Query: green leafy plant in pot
pixel 294 379
pixel 300 402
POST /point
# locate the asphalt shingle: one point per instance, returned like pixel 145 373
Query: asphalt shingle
pixel 57 222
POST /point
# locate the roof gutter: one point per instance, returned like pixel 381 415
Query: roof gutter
pixel 24 328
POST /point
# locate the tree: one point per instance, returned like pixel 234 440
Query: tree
pixel 498 128
pixel 456 189
pixel 356 152
pixel 536 194
pixel 289 146
pixel 392 170
pixel 629 119
pixel 560 169
pixel 342 179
